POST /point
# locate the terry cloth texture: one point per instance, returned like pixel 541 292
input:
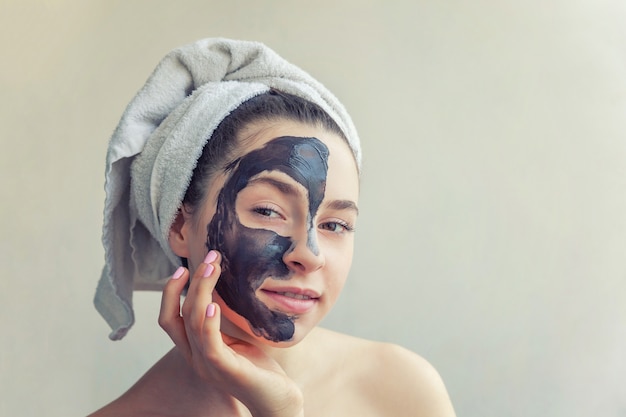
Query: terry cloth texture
pixel 156 145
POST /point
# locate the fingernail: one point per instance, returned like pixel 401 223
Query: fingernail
pixel 178 273
pixel 210 310
pixel 210 257
pixel 208 270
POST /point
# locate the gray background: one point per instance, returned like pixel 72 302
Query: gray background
pixel 492 238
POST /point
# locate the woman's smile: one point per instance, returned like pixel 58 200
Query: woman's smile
pixel 292 301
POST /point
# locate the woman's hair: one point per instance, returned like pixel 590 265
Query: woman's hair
pixel 221 148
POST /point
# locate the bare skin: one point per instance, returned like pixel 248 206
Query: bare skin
pixel 220 367
pixel 374 380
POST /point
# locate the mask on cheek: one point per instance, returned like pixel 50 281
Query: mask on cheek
pixel 249 255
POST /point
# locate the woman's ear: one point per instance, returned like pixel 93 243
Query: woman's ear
pixel 178 237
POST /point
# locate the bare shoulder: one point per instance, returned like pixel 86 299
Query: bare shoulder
pixel 392 379
pixel 408 382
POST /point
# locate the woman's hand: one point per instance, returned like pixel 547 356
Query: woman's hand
pixel 241 369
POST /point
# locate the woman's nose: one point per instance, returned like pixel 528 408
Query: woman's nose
pixel 304 255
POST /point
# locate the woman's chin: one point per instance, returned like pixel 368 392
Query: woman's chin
pixel 238 327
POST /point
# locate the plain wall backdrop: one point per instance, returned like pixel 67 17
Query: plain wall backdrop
pixel 492 235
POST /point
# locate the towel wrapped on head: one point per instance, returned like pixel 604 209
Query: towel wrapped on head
pixel 155 147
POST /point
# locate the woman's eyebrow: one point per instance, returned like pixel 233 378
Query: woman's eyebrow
pixel 343 205
pixel 290 190
pixel 281 186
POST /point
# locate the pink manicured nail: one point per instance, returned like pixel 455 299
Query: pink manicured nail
pixel 178 273
pixel 208 270
pixel 210 257
pixel 210 310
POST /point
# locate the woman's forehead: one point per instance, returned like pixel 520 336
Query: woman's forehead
pixel 257 133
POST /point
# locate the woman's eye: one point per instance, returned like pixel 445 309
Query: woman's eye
pixel 336 227
pixel 266 212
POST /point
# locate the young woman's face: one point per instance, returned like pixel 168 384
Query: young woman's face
pixel 282 216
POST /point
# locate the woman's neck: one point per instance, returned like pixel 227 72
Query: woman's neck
pixel 289 355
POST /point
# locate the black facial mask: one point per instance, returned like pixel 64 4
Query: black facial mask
pixel 250 255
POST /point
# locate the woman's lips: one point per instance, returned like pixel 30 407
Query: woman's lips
pixel 291 301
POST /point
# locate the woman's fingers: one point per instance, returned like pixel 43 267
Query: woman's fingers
pixel 206 267
pixel 212 342
pixel 186 325
pixel 200 292
pixel 169 317
pixel 199 311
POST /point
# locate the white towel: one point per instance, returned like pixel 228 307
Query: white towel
pixel 154 150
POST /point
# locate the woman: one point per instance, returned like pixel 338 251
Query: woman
pixel 243 171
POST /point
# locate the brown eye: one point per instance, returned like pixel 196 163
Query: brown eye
pixel 336 227
pixel 267 212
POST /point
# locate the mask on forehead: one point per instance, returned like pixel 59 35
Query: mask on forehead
pixel 252 255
